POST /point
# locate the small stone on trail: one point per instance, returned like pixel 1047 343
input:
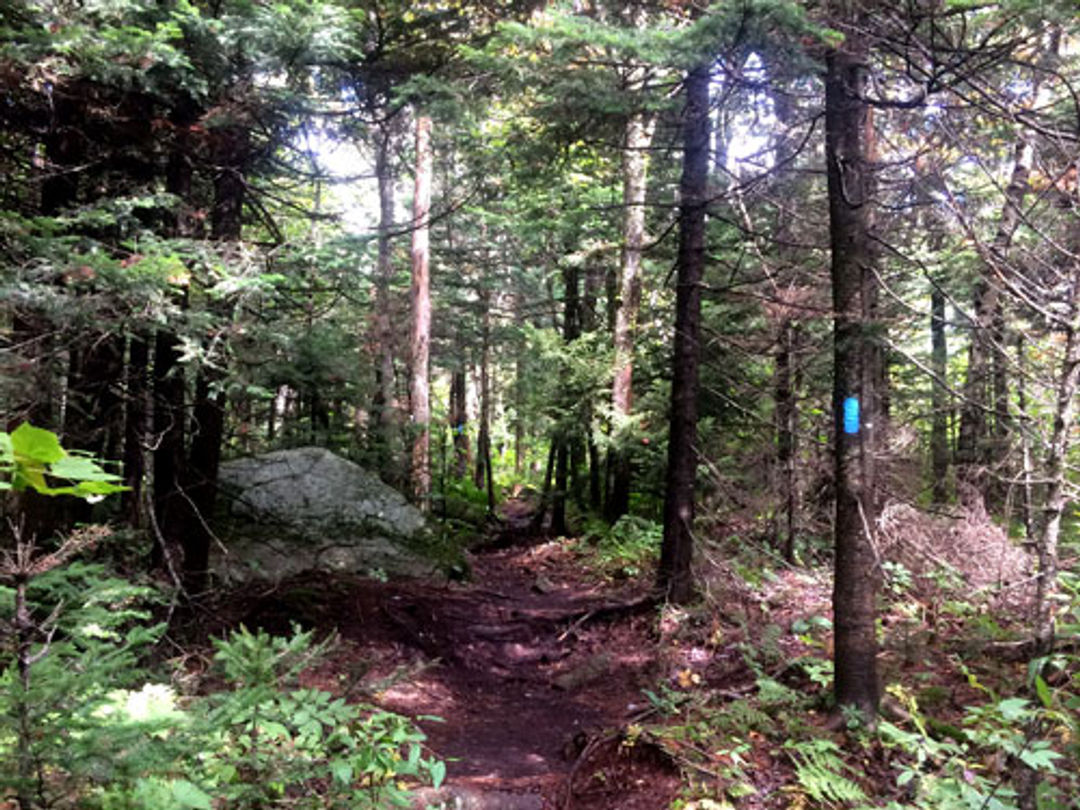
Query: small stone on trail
pixel 590 670
pixel 544 585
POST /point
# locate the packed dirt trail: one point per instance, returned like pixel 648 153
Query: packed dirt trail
pixel 531 665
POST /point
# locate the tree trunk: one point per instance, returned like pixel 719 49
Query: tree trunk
pixel 169 423
pixel 483 450
pixel 459 420
pixel 939 429
pixel 420 342
pixel 135 428
pixel 594 280
pixel 639 133
pixel 563 431
pixel 675 578
pixel 545 489
pixel 199 477
pixel 1054 474
pixel 384 410
pixel 848 134
pixel 786 416
pixel 976 451
pixel 1025 439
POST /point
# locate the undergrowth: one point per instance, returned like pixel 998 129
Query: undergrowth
pixel 86 725
pixel 959 730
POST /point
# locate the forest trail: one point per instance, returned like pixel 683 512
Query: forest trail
pixel 526 664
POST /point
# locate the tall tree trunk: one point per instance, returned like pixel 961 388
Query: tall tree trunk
pixel 786 416
pixel 975 450
pixel 1025 442
pixel 199 479
pixel 420 342
pixel 639 133
pixel 483 449
pixel 459 420
pixel 1054 472
pixel 545 489
pixel 939 405
pixel 594 279
pixel 384 412
pixel 675 578
pixel 563 432
pixel 169 423
pixel 136 391
pixel 848 134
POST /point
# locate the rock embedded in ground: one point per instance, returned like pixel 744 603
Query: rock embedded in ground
pixel 307 509
pixel 464 798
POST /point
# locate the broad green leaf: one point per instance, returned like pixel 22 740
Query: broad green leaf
pixel 341 771
pixel 189 795
pixel 438 773
pixel 36 445
pixel 80 468
pixel 1043 691
pixel 1042 758
pixel 1013 708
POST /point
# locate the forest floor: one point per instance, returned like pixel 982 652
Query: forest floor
pixel 547 682
pixel 529 666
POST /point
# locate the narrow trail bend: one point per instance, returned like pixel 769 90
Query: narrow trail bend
pixel 526 664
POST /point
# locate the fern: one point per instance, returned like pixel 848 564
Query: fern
pixel 819 767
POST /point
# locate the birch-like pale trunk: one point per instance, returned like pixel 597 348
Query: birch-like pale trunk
pixel 420 335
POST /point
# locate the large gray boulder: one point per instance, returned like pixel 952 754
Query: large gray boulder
pixel 308 509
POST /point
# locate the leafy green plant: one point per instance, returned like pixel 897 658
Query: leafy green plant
pixel 272 743
pixel 32 458
pixel 820 770
pixel 626 548
pixel 967 770
pixel 79 634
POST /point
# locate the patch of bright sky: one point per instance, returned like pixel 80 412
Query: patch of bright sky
pixel 351 191
pixel 750 129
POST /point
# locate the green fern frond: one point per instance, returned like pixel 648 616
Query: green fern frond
pixel 819 767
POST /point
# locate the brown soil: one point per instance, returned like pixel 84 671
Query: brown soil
pixel 531 667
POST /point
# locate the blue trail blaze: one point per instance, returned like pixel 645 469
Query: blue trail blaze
pixel 851 415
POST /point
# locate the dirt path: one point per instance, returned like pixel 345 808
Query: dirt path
pixel 526 665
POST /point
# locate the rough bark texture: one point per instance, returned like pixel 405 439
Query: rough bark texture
pixel 136 390
pixel 675 574
pixel 483 441
pixel 847 133
pixel 639 132
pixel 981 444
pixel 786 424
pixel 384 410
pixel 563 432
pixel 420 336
pixel 939 427
pixel 169 430
pixel 459 420
pixel 1054 473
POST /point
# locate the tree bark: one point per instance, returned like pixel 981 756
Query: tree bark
pixel 978 448
pixel 483 450
pixel 169 422
pixel 384 411
pixel 563 431
pixel 675 579
pixel 639 132
pixel 848 135
pixel 786 418
pixel 1054 473
pixel 420 338
pixel 135 427
pixel 939 426
pixel 459 420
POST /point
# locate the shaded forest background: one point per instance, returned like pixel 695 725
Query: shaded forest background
pixel 795 277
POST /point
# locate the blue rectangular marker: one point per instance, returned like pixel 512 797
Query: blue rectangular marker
pixel 851 415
